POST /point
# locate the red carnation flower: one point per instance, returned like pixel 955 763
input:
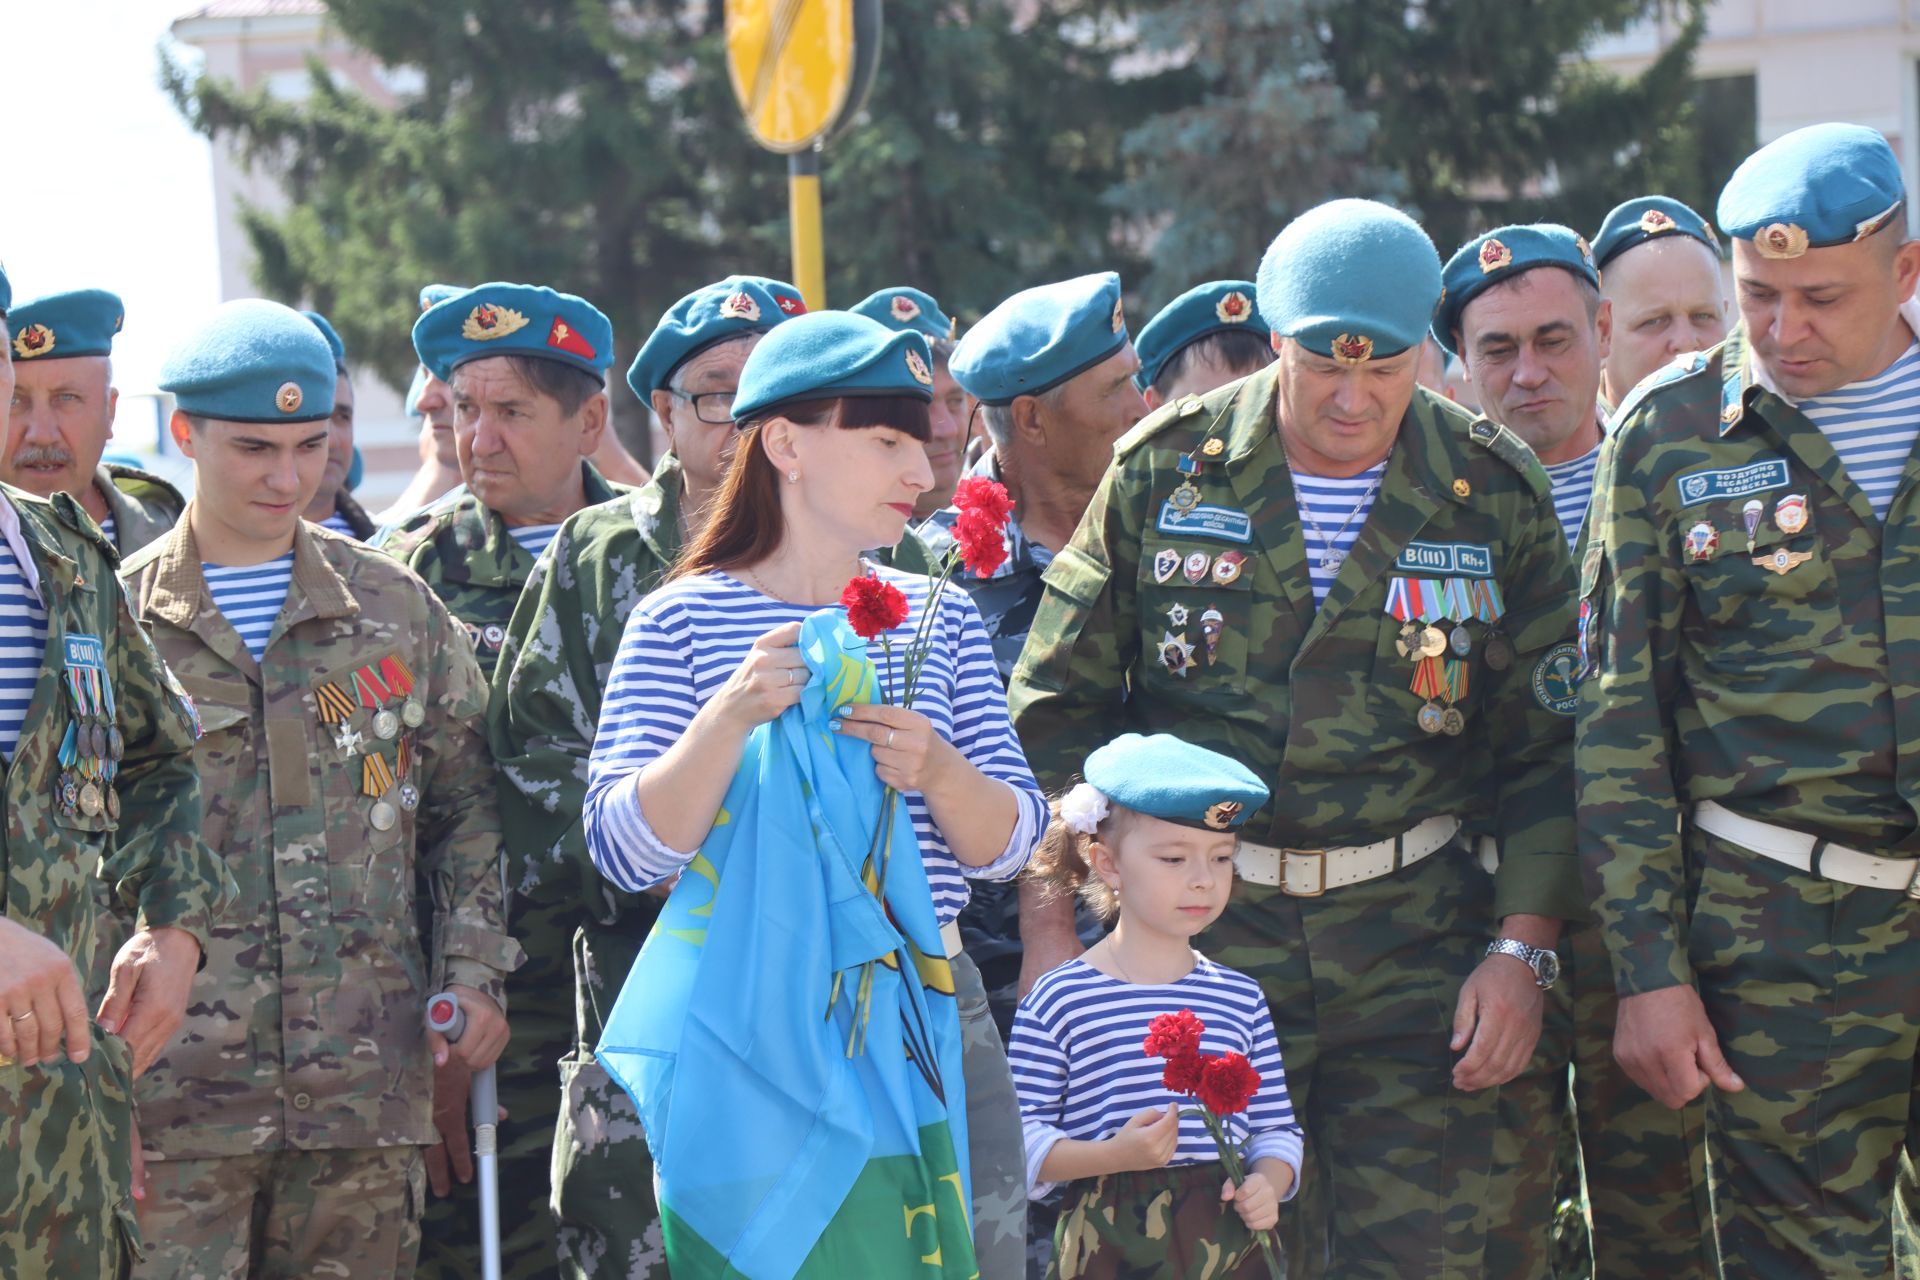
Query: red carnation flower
pixel 1183 1073
pixel 1173 1035
pixel 1227 1084
pixel 873 606
pixel 989 497
pixel 984 507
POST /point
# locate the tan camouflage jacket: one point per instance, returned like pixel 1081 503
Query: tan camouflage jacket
pixel 1140 629
pixel 352 753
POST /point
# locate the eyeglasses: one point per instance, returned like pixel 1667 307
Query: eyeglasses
pixel 715 407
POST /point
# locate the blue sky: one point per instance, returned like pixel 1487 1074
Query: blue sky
pixel 109 189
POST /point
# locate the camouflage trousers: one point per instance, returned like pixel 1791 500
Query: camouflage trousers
pixel 1362 984
pixel 66 1168
pixel 285 1215
pixel 1810 987
pixel 1160 1224
pixel 995 1148
pixel 1644 1166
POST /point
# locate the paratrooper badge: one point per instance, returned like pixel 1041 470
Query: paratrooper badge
pixel 1654 222
pixel 1780 240
pixel 903 308
pixel 1352 348
pixel 741 306
pixel 486 322
pixel 1701 542
pixel 1234 308
pixel 564 337
pixel 32 342
pixel 1493 256
pixel 1221 816
pixel 787 305
pixel 288 397
pixel 918 368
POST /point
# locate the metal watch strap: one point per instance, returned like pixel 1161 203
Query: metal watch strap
pixel 1523 952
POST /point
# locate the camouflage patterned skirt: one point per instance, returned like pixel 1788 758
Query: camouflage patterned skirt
pixel 1160 1224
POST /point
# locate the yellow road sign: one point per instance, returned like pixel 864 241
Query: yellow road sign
pixel 793 65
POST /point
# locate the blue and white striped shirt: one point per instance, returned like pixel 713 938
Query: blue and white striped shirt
pixel 338 523
pixel 534 537
pixel 108 527
pixel 1330 501
pixel 250 597
pixel 1573 491
pixel 1872 425
pixel 23 644
pixel 684 640
pixel 1080 1071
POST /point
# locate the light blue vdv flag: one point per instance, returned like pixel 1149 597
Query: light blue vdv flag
pixel 779 1154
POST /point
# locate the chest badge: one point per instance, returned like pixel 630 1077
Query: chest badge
pixel 1176 655
pixel 1790 513
pixel 1750 516
pixel 1166 563
pixel 1701 542
pixel 1196 566
pixel 1227 569
pixel 1782 561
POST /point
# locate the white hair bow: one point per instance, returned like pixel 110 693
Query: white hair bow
pixel 1083 808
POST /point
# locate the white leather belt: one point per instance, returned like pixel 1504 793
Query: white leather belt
pixel 950 938
pixel 1308 873
pixel 1798 850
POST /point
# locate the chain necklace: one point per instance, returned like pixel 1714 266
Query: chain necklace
pixel 1331 557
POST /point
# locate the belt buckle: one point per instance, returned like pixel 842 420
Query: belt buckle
pixel 1286 854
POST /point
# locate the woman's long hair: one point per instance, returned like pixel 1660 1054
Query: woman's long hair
pixel 745 525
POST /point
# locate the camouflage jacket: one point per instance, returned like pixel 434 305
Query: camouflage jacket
pixel 67 1123
pixel 1007 601
pixel 465 553
pixel 1754 669
pixel 1318 701
pixel 143 506
pixel 306 1028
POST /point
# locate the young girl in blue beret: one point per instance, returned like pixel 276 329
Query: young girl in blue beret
pixel 1148 839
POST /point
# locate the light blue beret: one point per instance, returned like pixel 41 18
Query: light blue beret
pixel 1823 185
pixel 327 331
pixel 905 307
pixel 501 319
pixel 1351 279
pixel 1171 779
pixel 828 355
pixel 60 325
pixel 1647 218
pixel 1501 254
pixel 1040 338
pixel 433 295
pixel 712 313
pixel 252 361
pixel 1219 306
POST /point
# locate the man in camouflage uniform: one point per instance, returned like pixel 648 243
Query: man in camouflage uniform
pixel 1523 312
pixel 339 748
pixel 333 503
pixel 526 369
pixel 1746 744
pixel 63 409
pixel 582 934
pixel 66 1115
pixel 1405 983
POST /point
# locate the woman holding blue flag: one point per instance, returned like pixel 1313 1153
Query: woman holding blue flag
pixel 792 1030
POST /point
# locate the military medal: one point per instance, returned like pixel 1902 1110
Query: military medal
pixel 386 725
pixel 1433 641
pixel 1427 683
pixel 1701 542
pixel 347 741
pixel 1453 721
pixel 1790 513
pixel 1459 607
pixel 1489 608
pixel 90 801
pixel 409 797
pixel 1166 563
pixel 1185 498
pixel 1196 566
pixel 1498 651
pixel 382 816
pixel 1782 561
pixel 113 803
pixel 69 794
pixel 1460 640
pixel 1226 569
pixel 334 704
pixel 1212 624
pixel 1750 516
pixel 412 713
pixel 1176 655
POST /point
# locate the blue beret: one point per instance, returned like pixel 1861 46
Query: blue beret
pixel 433 295
pixel 908 308
pixel 252 361
pixel 1647 218
pixel 1219 306
pixel 712 313
pixel 326 329
pixel 1351 279
pixel 6 290
pixel 501 319
pixel 1171 779
pixel 1039 338
pixel 1501 254
pixel 1823 185
pixel 828 355
pixel 80 323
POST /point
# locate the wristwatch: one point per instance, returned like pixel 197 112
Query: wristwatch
pixel 1544 963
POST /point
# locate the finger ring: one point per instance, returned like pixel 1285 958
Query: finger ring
pixel 789 675
pixel 22 1017
pixel 890 734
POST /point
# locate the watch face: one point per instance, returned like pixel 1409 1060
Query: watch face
pixel 1547 965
